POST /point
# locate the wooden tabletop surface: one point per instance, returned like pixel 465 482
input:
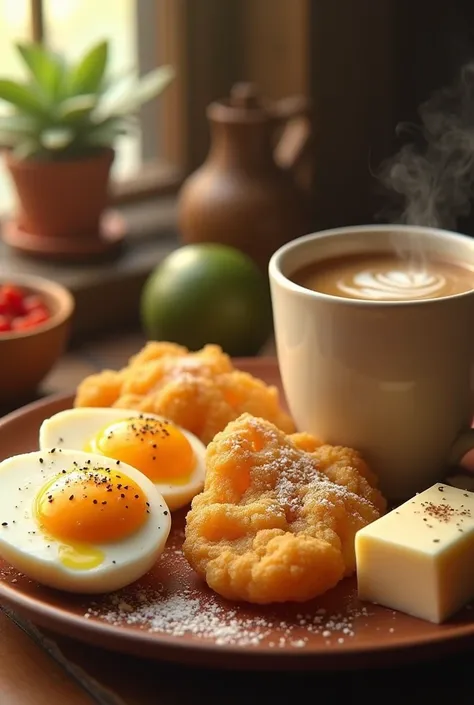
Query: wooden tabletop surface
pixel 39 668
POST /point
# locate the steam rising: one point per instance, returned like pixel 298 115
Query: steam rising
pixel 434 175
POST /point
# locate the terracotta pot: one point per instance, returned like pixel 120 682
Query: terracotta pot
pixel 62 198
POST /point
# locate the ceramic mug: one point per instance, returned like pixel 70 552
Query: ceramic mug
pixel 390 379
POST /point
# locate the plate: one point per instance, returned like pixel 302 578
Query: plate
pixel 171 615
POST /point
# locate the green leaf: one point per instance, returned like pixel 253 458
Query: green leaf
pixel 9 139
pixel 19 124
pixel 22 97
pixel 46 68
pixel 112 81
pixel 57 138
pixel 75 109
pixel 148 87
pixel 87 75
pixel 27 149
pixel 15 129
pixel 126 121
pixel 106 132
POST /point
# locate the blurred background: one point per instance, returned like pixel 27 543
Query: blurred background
pixel 365 64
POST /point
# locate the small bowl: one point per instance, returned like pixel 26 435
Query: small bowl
pixel 27 356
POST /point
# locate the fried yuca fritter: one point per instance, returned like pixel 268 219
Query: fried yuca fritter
pixel 278 515
pixel 201 391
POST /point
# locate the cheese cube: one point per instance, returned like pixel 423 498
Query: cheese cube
pixel 419 558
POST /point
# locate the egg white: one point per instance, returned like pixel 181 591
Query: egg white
pixel 25 546
pixel 75 428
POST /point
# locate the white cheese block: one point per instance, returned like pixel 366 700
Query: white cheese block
pixel 419 558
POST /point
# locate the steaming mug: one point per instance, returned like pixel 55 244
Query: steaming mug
pixel 390 379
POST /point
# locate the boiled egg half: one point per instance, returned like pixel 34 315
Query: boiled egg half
pixel 78 521
pixel 170 456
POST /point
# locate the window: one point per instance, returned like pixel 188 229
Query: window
pixel 14 21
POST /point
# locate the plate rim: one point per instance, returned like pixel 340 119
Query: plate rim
pixel 195 651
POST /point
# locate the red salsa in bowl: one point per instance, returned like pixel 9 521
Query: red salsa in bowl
pixel 21 310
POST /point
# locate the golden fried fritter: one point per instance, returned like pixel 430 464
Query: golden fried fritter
pixel 201 391
pixel 278 515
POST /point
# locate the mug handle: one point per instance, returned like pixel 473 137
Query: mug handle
pixel 463 443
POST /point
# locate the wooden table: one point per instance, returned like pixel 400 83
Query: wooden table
pixel 38 668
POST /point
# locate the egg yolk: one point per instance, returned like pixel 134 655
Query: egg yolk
pixel 91 506
pixel 157 448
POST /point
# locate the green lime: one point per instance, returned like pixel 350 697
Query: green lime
pixel 208 293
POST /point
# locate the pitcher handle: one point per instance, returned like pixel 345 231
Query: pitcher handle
pixel 293 149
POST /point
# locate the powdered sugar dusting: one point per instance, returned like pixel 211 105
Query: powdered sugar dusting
pixel 283 469
pixel 181 606
pixel 185 613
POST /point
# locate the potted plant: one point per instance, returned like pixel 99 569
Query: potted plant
pixel 59 136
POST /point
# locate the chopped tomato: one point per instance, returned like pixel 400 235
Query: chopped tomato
pixel 4 324
pixel 32 302
pixel 4 306
pixel 20 310
pixel 22 323
pixel 38 315
pixel 29 321
pixel 13 297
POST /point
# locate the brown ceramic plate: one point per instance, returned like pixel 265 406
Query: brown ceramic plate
pixel 187 623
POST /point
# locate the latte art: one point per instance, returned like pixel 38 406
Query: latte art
pixel 385 277
pixel 394 285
